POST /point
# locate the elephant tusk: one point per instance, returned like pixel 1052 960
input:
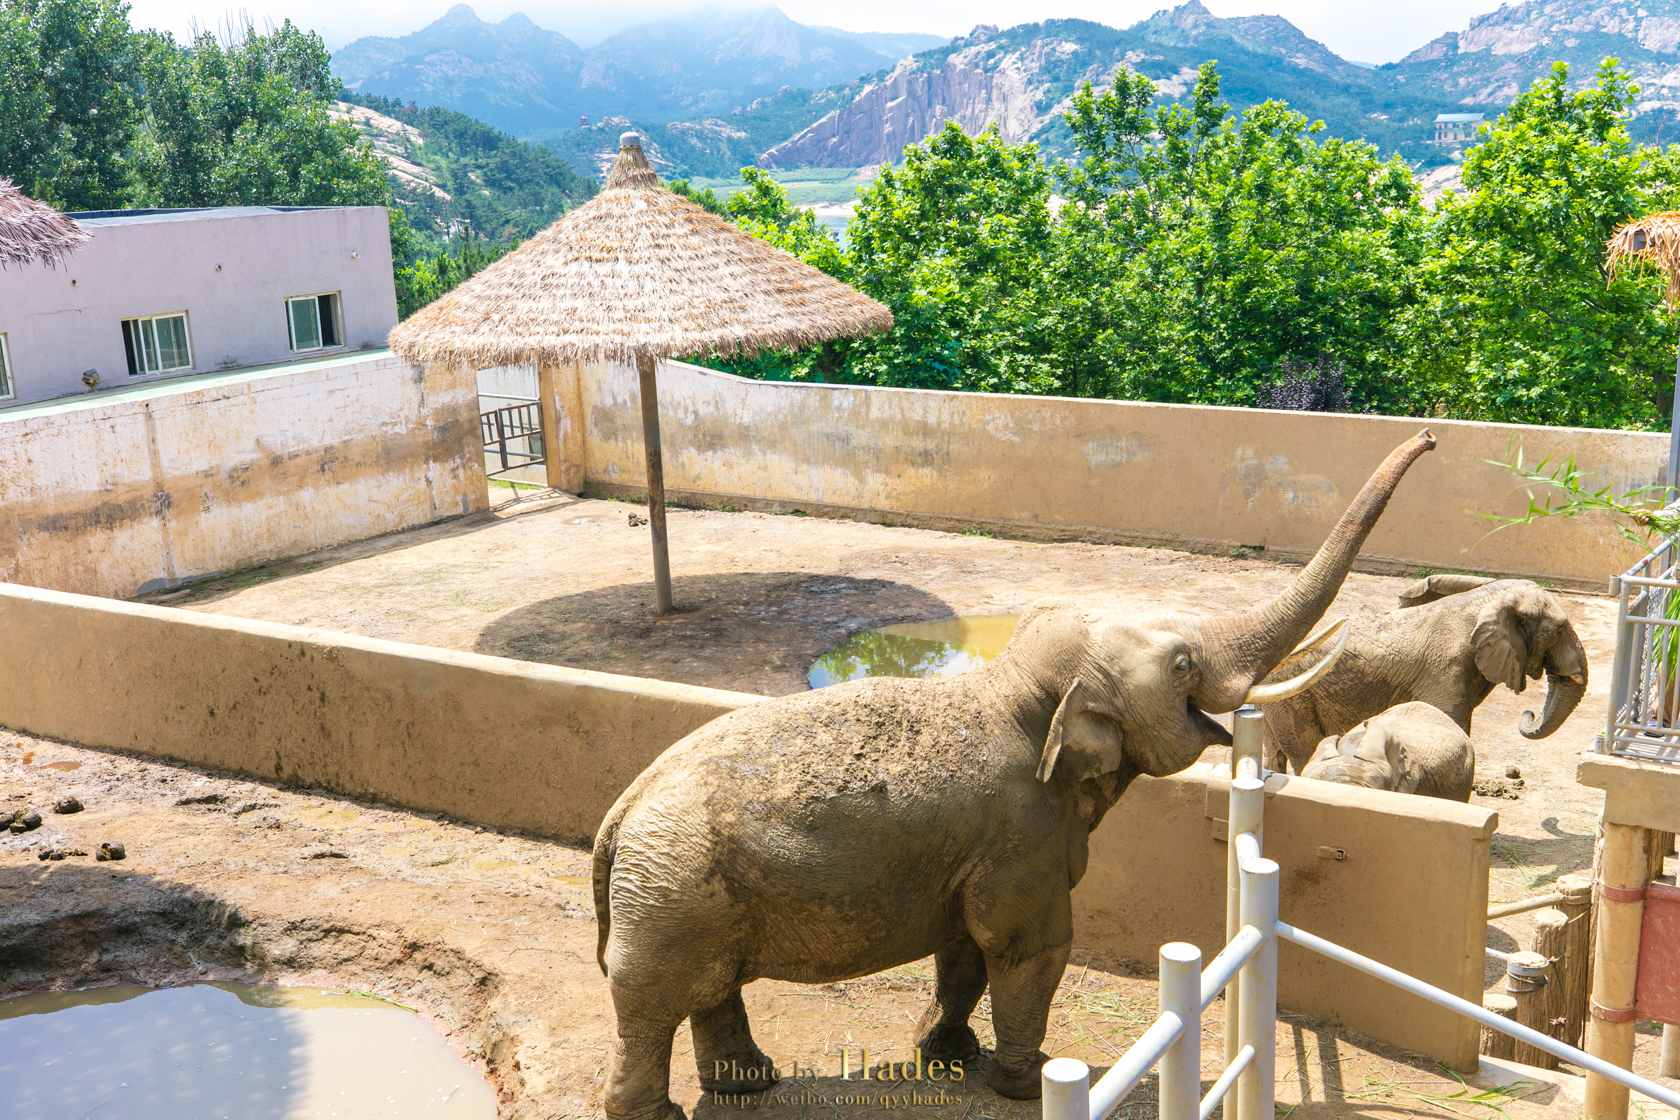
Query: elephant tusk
pixel 1294 686
pixel 1309 645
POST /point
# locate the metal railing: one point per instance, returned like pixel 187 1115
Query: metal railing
pixel 1173 1041
pixel 513 436
pixel 1644 717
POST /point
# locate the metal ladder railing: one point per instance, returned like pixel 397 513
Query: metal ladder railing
pixel 1246 970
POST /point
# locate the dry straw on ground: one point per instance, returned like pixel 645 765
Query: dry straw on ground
pixel 1653 239
pixel 636 272
pixel 33 231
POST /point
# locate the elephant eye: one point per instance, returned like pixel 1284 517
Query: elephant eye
pixel 1181 663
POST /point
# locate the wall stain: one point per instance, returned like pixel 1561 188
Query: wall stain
pixel 1114 451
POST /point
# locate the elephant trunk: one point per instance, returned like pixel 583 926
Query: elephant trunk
pixel 1566 683
pixel 1243 650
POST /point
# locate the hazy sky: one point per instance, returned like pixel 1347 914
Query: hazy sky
pixel 1358 31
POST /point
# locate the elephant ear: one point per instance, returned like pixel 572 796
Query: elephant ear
pixel 1084 738
pixel 1439 587
pixel 1379 747
pixel 1501 651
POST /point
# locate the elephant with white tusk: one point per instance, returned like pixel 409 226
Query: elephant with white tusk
pixel 1452 639
pixel 832 834
pixel 1411 748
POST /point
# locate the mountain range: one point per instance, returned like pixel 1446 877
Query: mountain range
pixel 529 82
pixel 715 89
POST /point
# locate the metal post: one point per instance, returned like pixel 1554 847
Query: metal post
pixel 645 365
pixel 1181 1065
pixel 1066 1084
pixel 1257 1087
pixel 1248 732
pixel 1673 479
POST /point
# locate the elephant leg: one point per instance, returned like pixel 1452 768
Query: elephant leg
pixel 639 1071
pixel 724 1052
pixel 1021 995
pixel 944 1033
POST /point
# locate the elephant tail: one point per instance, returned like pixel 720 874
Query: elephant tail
pixel 606 847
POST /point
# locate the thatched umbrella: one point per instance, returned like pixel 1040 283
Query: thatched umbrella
pixel 637 274
pixel 1655 239
pixel 33 231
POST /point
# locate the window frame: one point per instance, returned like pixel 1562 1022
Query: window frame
pixel 136 360
pixel 337 297
pixel 8 377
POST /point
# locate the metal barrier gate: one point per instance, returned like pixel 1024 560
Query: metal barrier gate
pixel 513 436
pixel 1246 970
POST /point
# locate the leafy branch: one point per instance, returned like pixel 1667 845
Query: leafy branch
pixel 1638 514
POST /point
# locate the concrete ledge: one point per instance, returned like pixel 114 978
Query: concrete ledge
pixel 508 743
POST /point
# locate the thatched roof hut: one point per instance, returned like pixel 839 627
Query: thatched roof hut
pixel 33 231
pixel 637 274
pixel 1653 239
pixel 636 271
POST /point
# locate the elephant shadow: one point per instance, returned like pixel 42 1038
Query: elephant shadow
pixel 747 631
pixel 853 1099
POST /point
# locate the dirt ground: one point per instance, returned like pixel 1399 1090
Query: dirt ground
pixel 493 935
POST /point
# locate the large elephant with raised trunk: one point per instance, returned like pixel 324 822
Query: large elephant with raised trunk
pixel 1452 639
pixel 832 834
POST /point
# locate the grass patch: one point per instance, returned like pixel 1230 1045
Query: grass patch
pixel 512 485
pixel 976 531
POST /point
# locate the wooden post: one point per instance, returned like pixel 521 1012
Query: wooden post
pixel 645 368
pixel 1661 844
pixel 1525 979
pixel 1668 1062
pixel 1551 941
pixel 1576 979
pixel 554 466
pixel 1622 870
pixel 1498 1044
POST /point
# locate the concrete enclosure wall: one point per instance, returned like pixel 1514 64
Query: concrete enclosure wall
pixel 231 269
pixel 1181 476
pixel 120 493
pixel 548 749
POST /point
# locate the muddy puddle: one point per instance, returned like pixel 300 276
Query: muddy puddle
pixel 915 649
pixel 228 1052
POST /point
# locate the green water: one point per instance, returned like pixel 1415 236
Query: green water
pixel 915 649
pixel 227 1052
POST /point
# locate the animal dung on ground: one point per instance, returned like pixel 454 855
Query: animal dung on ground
pixel 59 853
pixel 67 805
pixel 23 820
pixel 636 519
pixel 1508 788
pixel 111 852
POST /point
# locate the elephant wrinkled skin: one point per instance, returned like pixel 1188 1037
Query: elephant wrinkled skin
pixel 1451 640
pixel 1411 748
pixel 823 836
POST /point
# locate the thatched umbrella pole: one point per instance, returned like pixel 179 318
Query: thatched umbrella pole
pixel 1655 239
pixel 645 366
pixel 637 274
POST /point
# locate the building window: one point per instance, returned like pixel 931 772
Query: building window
pixel 6 389
pixel 314 322
pixel 157 344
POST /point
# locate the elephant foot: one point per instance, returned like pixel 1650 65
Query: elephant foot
pixel 670 1110
pixel 949 1041
pixel 1024 1084
pixel 753 1073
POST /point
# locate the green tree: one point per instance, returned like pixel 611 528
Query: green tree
pixel 959 243
pixel 1200 251
pixel 1523 323
pixel 67 73
pixel 243 121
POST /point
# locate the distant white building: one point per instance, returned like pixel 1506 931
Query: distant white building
pixel 166 293
pixel 1457 128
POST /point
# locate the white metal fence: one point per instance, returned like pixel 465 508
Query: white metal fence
pixel 1644 721
pixel 1246 971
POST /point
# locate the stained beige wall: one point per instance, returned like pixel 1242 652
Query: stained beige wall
pixel 147 487
pixel 1176 475
pixel 548 749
